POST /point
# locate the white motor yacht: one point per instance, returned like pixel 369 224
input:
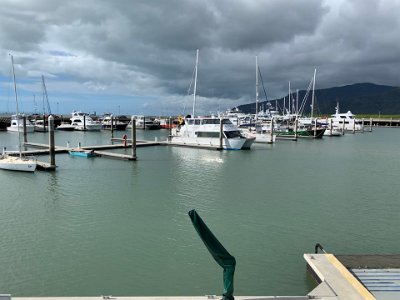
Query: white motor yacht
pixel 346 121
pixel 17 124
pixel 205 131
pixel 82 121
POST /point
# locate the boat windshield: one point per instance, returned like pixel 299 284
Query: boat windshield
pixel 232 134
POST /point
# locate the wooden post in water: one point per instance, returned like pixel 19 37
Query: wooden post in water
pixel 343 127
pixel 354 126
pixel 362 124
pixel 296 124
pixel 112 126
pixel 169 128
pixel 330 126
pixel 52 151
pixel 220 133
pixel 84 122
pixel 24 127
pixel 44 122
pixel 144 123
pixel 133 121
pixel 272 130
pixel 370 125
pixel 315 127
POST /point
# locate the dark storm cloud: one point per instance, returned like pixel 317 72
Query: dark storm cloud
pixel 148 47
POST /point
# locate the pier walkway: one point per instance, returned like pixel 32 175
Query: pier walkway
pixel 336 281
pixel 335 274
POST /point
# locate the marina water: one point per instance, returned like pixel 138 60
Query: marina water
pixel 109 227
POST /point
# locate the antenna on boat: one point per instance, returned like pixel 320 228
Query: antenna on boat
pixel 195 82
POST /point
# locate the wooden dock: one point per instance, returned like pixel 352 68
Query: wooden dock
pixel 336 281
pixel 114 155
pixel 43 166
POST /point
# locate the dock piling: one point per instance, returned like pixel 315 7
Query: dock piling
pixel 330 126
pixel 370 125
pixel 24 126
pixel 51 142
pixel 354 126
pixel 220 133
pixel 362 124
pixel 169 128
pixel 272 130
pixel 343 127
pixel 315 128
pixel 133 121
pixel 112 126
pixel 84 122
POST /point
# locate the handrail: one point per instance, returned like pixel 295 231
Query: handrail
pixel 319 246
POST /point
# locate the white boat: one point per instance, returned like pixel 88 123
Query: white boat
pixel 209 131
pixel 40 125
pixel 17 163
pixel 17 124
pixel 333 131
pixel 82 121
pixel 260 132
pixel 66 127
pixel 205 131
pixel 345 121
pixel 143 122
pixel 116 124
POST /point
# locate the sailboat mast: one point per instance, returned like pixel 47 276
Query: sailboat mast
pixel 195 82
pixel 312 98
pixel 47 97
pixel 289 99
pixel 256 87
pixel 15 84
pixel 16 100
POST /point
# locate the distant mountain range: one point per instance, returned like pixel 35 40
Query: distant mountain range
pixel 360 98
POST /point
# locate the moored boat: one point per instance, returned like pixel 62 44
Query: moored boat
pixel 17 124
pixel 206 131
pixel 82 152
pixel 110 122
pixel 345 121
pixel 82 121
pixel 66 127
pixel 17 163
pixel 143 122
pixel 40 125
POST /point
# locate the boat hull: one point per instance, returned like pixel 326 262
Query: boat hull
pixel 118 126
pixel 17 164
pixel 316 134
pixel 82 153
pixel 66 127
pixel 89 127
pixel 29 129
pixel 227 144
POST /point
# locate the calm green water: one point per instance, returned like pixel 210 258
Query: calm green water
pixel 101 226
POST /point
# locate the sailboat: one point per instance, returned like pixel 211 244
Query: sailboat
pixel 17 163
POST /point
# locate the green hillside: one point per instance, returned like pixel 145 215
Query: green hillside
pixel 360 98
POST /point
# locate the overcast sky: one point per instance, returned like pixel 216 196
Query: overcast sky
pixel 138 57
